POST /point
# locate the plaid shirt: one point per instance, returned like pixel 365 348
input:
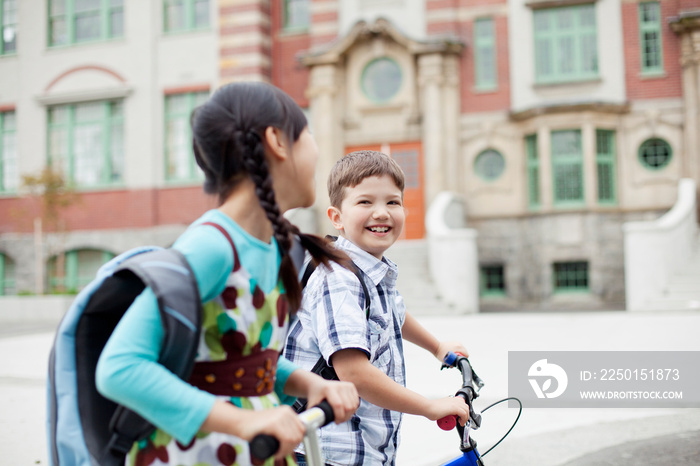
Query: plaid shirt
pixel 332 318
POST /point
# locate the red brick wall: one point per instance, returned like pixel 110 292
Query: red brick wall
pixel 287 72
pixel 641 87
pixel 485 101
pixel 113 210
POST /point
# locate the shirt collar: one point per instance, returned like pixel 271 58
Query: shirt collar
pixel 377 270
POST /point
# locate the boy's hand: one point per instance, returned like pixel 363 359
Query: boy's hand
pixel 342 396
pixel 446 346
pixel 451 406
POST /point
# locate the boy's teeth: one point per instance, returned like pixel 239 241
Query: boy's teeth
pixel 379 229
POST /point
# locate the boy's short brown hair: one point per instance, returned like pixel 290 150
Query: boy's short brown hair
pixel 354 167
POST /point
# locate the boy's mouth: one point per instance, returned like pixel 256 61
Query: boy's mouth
pixel 379 229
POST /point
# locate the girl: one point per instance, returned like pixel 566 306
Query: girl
pixel 252 142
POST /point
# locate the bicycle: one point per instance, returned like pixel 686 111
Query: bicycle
pixel 471 385
pixel 264 446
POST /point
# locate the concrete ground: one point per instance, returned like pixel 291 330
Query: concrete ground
pixel 556 437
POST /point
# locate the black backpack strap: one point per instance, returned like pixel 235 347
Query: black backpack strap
pixel 321 367
pixel 169 275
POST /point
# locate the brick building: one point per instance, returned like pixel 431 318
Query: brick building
pixel 556 120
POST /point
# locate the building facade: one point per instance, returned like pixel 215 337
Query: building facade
pixel 555 120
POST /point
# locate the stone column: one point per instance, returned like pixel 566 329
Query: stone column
pixel 544 144
pixel 590 173
pixel 430 81
pixel 451 104
pixel 324 122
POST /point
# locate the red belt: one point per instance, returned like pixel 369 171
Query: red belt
pixel 252 375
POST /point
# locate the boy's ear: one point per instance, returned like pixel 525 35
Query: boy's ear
pixel 275 141
pixel 335 217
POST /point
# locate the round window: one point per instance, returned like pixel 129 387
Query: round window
pixel 381 79
pixel 489 164
pixel 655 153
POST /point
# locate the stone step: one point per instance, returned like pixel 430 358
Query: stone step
pixel 672 304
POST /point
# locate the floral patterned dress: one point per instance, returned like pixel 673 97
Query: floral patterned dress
pixel 243 333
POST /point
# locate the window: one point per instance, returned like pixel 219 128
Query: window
pixel 179 160
pixel 650 37
pixel 485 75
pixel 71 271
pixel 7 276
pixel 655 154
pixel 77 21
pixel 567 168
pixel 492 280
pixel 571 276
pixel 86 142
pixel 605 166
pixel 185 15
pixel 9 175
pixel 533 171
pixel 381 79
pixel 489 164
pixel 8 26
pixel 296 14
pixel 565 44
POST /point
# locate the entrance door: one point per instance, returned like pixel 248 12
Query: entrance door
pixel 409 156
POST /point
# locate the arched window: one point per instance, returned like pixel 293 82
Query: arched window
pixel 489 164
pixel 71 271
pixel 655 153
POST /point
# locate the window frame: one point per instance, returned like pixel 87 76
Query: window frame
pixel 295 28
pixel 567 159
pixel 534 196
pixel 642 160
pixel 3 149
pixel 70 17
pixel 484 290
pixel 571 289
pixel 8 284
pixel 107 123
pixel 189 17
pixel 486 176
pixel 374 99
pixel 3 26
pixel 552 39
pixel 606 160
pixel 72 282
pixel 485 44
pixel 195 173
pixel 645 27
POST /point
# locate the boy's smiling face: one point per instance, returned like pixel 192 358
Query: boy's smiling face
pixel 371 214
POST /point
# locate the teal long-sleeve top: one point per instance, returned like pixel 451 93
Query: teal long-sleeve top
pixel 128 371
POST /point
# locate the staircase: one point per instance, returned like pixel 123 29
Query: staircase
pixel 414 282
pixel 683 289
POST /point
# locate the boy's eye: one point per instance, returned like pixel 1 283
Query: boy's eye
pixel 395 202
pixel 364 201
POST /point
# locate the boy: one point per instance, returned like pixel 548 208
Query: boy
pixel 366 194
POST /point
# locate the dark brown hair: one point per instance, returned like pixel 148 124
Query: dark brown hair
pixel 352 169
pixel 228 133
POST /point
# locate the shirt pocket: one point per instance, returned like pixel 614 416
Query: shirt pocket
pixel 379 335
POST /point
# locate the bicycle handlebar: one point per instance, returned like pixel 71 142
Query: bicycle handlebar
pixel 263 446
pixel 468 392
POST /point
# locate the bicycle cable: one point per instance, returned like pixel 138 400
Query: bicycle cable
pixel 511 427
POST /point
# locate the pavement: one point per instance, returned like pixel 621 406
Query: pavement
pixel 543 437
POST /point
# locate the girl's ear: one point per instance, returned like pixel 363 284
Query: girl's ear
pixel 335 217
pixel 276 143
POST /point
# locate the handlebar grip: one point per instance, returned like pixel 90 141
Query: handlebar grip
pixel 327 409
pixel 263 446
pixel 447 422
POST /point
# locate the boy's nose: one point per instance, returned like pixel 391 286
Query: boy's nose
pixel 380 212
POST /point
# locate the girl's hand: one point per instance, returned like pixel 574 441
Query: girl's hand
pixel 342 396
pixel 452 406
pixel 445 346
pixel 280 422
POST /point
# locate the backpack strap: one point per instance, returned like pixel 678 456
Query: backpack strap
pixel 169 275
